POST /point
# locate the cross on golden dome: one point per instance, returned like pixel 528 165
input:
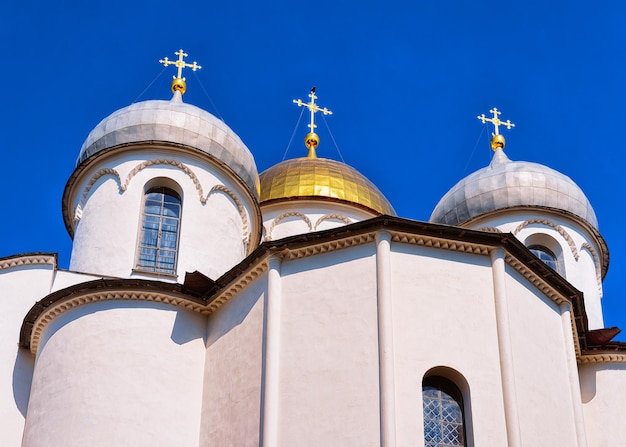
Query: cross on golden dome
pixel 497 140
pixel 311 141
pixel 178 84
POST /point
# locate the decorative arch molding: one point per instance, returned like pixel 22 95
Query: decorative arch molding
pixel 242 212
pixel 247 236
pixel 490 229
pixel 26 260
pixel 596 263
pixel 92 181
pixel 339 217
pixel 60 301
pixel 283 216
pixel 556 227
pixel 75 301
pixel 164 161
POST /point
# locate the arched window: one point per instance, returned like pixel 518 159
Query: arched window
pixel 444 422
pixel 158 244
pixel 545 255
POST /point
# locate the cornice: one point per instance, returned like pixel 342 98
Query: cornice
pixel 29 259
pixel 60 301
pixel 235 287
pixel 76 301
pixel 604 357
pixel 296 247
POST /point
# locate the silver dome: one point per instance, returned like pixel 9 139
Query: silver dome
pixel 511 184
pixel 176 122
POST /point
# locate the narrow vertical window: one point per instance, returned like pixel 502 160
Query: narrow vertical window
pixel 158 244
pixel 444 424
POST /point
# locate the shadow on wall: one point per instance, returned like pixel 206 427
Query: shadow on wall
pixel 22 379
pixel 588 374
pixel 234 312
pixel 188 326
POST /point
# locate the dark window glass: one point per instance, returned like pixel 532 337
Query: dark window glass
pixel 443 413
pixel 159 231
pixel 546 256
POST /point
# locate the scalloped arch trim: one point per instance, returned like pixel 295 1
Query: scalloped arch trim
pixel 283 216
pixel 570 242
pixel 242 212
pixel 339 217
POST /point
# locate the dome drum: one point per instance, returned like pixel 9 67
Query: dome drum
pixel 174 122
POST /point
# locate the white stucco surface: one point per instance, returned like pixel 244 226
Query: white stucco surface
pixel 293 217
pixel 603 392
pixel 64 278
pixel 541 375
pixel 20 288
pixel 213 235
pixel 231 396
pixel 118 373
pixel 569 241
pixel 329 350
pixel 443 313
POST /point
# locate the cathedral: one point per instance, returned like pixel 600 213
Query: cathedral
pixel 209 305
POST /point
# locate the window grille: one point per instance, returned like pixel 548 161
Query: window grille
pixel 444 424
pixel 546 256
pixel 158 244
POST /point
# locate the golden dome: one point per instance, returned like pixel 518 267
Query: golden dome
pixel 320 177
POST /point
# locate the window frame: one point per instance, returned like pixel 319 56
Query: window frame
pixel 156 269
pixel 547 243
pixel 538 250
pixel 448 387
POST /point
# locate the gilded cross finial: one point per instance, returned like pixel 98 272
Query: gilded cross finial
pixel 497 140
pixel 178 84
pixel 311 141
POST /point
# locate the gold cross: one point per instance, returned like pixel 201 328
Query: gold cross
pixel 313 108
pixel 495 120
pixel 180 63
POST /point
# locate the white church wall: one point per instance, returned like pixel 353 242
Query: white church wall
pixel 118 373
pixel 293 217
pixel 443 316
pixel 603 392
pixel 328 390
pixel 20 287
pixel 575 245
pixel 231 411
pixel 64 279
pixel 213 235
pixel 541 379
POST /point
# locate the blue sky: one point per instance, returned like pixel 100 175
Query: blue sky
pixel 405 80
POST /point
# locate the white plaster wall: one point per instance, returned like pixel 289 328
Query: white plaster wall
pixel 444 316
pixel 212 235
pixel 118 373
pixel 20 288
pixel 603 391
pixel 232 377
pixel 582 273
pixel 318 215
pixel 328 386
pixel 542 386
pixel 64 279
